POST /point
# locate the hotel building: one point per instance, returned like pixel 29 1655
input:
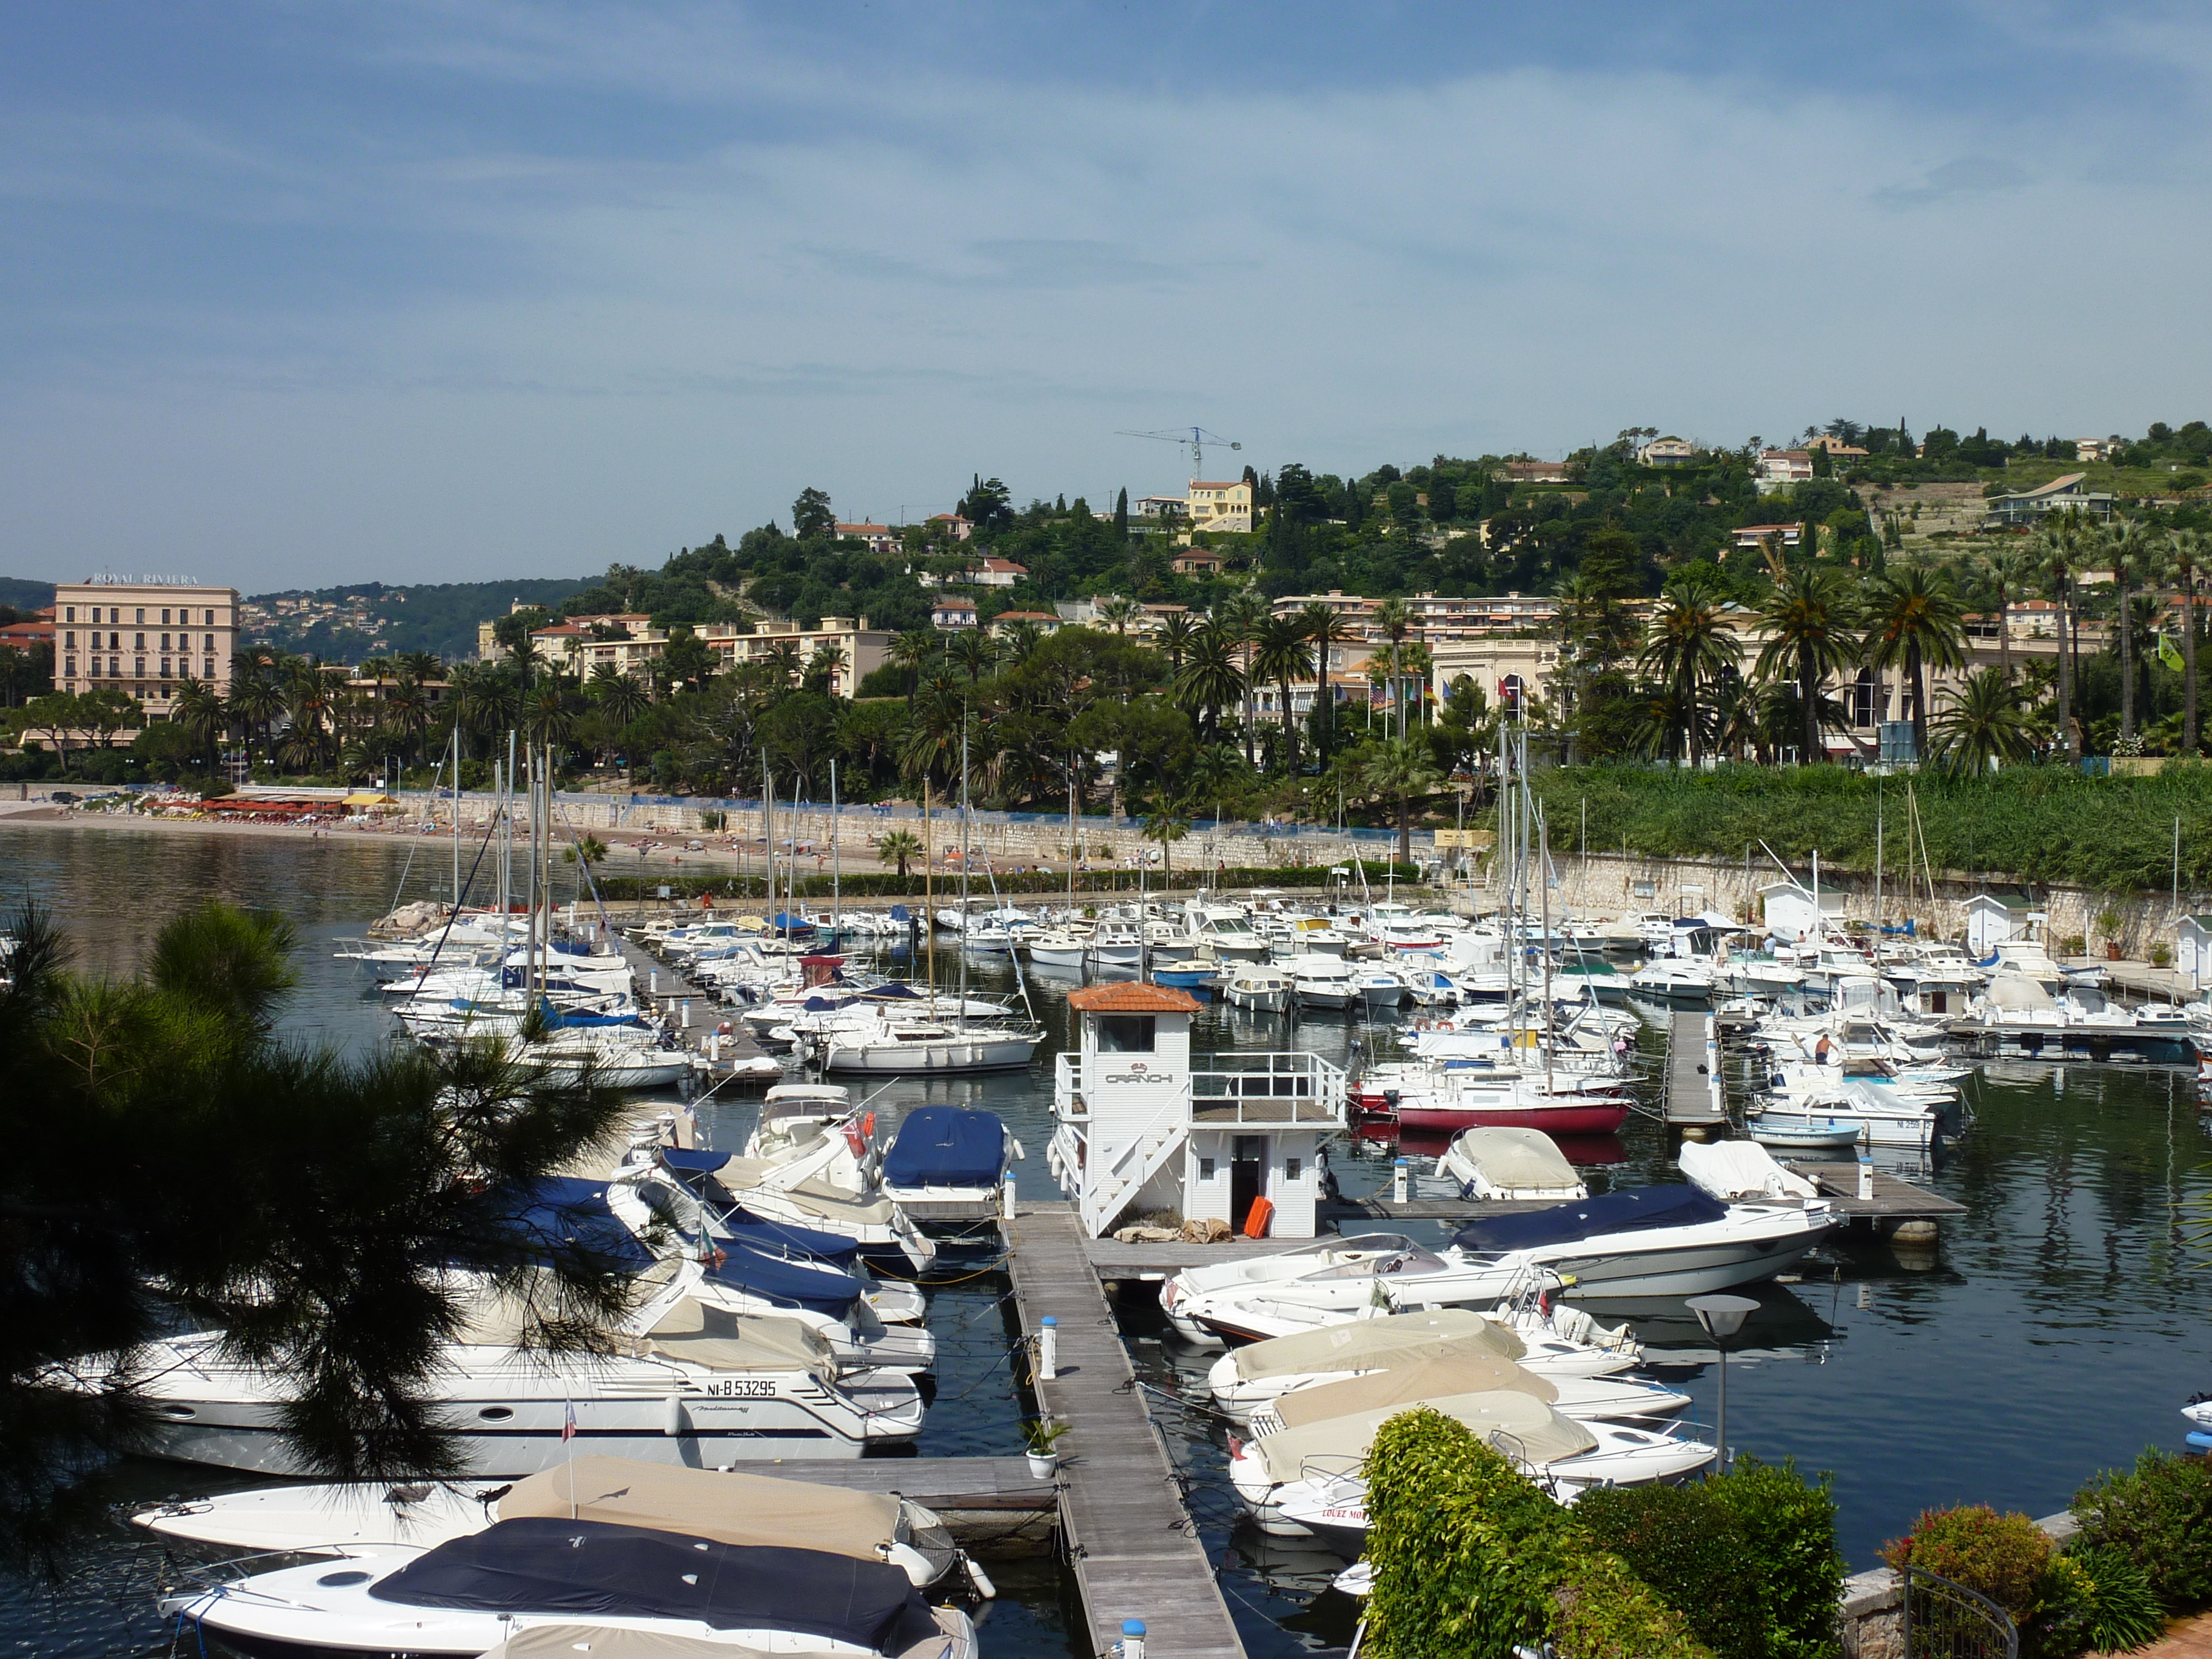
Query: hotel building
pixel 144 636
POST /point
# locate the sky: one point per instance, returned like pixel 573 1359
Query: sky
pixel 302 292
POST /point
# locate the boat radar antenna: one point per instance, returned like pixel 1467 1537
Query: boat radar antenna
pixel 1196 436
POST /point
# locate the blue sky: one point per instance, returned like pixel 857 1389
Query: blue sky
pixel 304 293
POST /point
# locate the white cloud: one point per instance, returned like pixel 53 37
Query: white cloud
pixel 613 344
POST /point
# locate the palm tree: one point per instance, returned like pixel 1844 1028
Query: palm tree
pixel 896 846
pixel 2124 547
pixel 973 652
pixel 1692 643
pixel 621 700
pixel 200 711
pixel 1168 823
pixel 1284 654
pixel 909 651
pixel 825 664
pixel 2011 569
pixel 2052 547
pixel 1175 639
pixel 1326 627
pixel 1395 623
pixel 1983 725
pixel 1402 772
pixel 548 717
pixel 782 658
pixel 257 699
pixel 1808 618
pixel 1217 766
pixel 1118 612
pixel 1021 641
pixel 1915 623
pixel 1240 615
pixel 2186 551
pixel 1211 677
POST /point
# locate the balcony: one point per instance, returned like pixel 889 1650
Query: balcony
pixel 1281 1090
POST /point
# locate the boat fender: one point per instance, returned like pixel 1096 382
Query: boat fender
pixel 671 1416
pixel 868 1127
pixel 1446 1025
pixel 2200 1439
pixel 981 1580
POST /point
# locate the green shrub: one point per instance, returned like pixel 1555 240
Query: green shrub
pixel 2005 1557
pixel 1688 1547
pixel 1789 1525
pixel 2124 1608
pixel 2159 1516
pixel 1472 1560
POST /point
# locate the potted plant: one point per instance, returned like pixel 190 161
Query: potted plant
pixel 1042 1435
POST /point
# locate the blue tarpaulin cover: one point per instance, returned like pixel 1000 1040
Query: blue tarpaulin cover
pixel 596 1569
pixel 947 1146
pixel 1635 1210
pixel 564 1213
pixel 782 1238
pixel 685 1161
pixel 788 1283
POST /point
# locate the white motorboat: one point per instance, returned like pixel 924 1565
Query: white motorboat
pixel 1322 981
pixel 486 1591
pixel 723 1505
pixel 1505 1162
pixel 1652 1241
pixel 698 1387
pixel 1263 990
pixel 1057 950
pixel 1298 1466
pixel 949 1154
pixel 1379 988
pixel 903 1047
pixel 1584 1399
pixel 1116 941
pixel 1247 1377
pixel 1249 1299
pixel 1736 1170
pixel 1679 982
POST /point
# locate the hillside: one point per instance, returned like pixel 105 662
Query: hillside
pixel 24 595
pixel 345 624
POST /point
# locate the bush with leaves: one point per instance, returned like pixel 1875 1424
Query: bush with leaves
pixel 2003 1557
pixel 1471 1560
pixel 2093 1597
pixel 2159 1516
pixel 1788 1527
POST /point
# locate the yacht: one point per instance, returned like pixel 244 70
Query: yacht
pixel 1679 982
pixel 904 1047
pixel 1413 1381
pixel 1652 1241
pixel 1496 1162
pixel 948 1154
pixel 489 1590
pixel 1321 982
pixel 1058 949
pixel 1116 942
pixel 1244 1300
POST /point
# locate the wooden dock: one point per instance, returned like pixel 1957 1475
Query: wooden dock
pixel 988 1504
pixel 1690 1102
pixel 1894 1199
pixel 1134 1545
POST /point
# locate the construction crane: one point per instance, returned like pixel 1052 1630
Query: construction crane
pixel 1197 437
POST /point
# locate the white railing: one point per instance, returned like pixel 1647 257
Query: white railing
pixel 1252 1086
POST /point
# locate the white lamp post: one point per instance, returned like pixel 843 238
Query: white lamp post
pixel 1723 1316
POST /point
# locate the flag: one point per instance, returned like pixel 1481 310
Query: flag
pixel 2167 655
pixel 568 1420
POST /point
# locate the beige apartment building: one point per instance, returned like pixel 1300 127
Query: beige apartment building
pixel 629 643
pixel 860 649
pixel 144 636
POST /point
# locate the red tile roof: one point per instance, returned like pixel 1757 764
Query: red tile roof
pixel 1131 997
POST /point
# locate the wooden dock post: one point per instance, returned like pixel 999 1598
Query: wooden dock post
pixel 1134 1545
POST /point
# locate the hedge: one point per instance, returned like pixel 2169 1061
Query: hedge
pixel 1471 1560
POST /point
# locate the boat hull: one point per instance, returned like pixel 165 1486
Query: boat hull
pixel 1583 1117
pixel 915 1059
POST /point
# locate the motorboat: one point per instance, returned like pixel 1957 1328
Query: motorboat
pixel 948 1154
pixel 1322 981
pixel 1807 1132
pixel 1736 1170
pixel 2020 1012
pixel 1456 1099
pixel 475 1593
pixel 1653 1240
pixel 791 1192
pixel 905 1047
pixel 1498 1162
pixel 1379 988
pixel 1248 1299
pixel 723 1505
pixel 1116 941
pixel 1057 949
pixel 1249 1377
pixel 1680 982
pixel 697 1386
pixel 1585 1399
pixel 1228 931
pixel 1291 1469
pixel 1263 990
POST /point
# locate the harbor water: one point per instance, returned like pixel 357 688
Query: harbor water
pixel 2053 1330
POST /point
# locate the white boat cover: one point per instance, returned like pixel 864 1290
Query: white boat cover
pixel 724 1341
pixel 1530 1430
pixel 612 1641
pixel 1361 1345
pixel 2016 992
pixel 1409 1385
pixel 1730 1170
pixel 731 1509
pixel 1511 1161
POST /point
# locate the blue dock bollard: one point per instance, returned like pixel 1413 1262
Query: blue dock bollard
pixel 1047 1348
pixel 1131 1645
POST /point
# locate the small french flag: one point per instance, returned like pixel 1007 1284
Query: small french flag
pixel 568 1420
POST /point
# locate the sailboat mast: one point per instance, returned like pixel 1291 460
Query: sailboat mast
pixel 768 832
pixel 835 869
pixel 928 889
pixel 457 820
pixel 1071 776
pixel 530 882
pixel 965 849
pixel 1544 880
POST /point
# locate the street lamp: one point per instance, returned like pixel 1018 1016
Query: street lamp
pixel 1723 1316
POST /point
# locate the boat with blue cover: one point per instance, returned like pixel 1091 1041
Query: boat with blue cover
pixel 948 1154
pixel 1669 1240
